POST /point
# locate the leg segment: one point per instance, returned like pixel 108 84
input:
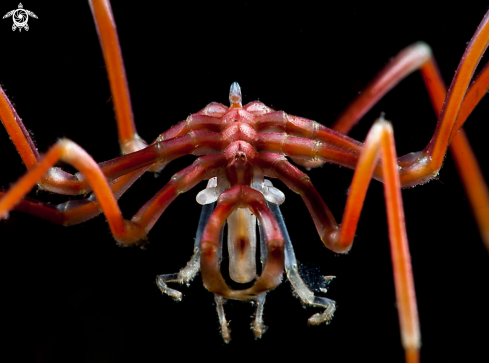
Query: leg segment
pixel 72 154
pixel 187 273
pixel 299 286
pixel 304 128
pixel 74 211
pixel 124 231
pixel 277 166
pixel 380 140
pixel 437 146
pixel 419 56
pixel 241 196
pixel 17 132
pixel 339 239
pixel 306 149
pixel 192 268
pixel 197 142
pixel 129 140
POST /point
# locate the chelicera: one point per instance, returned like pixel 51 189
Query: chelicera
pixel 240 146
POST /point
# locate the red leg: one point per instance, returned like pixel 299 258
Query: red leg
pixel 74 211
pixel 238 197
pixel 72 154
pixel 418 56
pixel 410 59
pixel 277 166
pixel 339 239
pixel 17 132
pixel 381 139
pixel 302 127
pixel 124 231
pixel 129 140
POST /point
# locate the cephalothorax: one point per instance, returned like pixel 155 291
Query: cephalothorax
pixel 237 149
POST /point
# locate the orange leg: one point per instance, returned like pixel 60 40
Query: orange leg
pixel 381 140
pixel 124 231
pixel 379 143
pixel 72 154
pixel 419 57
pixel 57 180
pixel 129 140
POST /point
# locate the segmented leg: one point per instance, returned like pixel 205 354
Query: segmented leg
pixel 380 140
pixel 222 318
pixel 339 238
pixel 187 273
pixel 124 231
pixel 419 57
pixel 129 140
pixel 74 211
pixel 298 285
pixel 271 275
pixel 121 172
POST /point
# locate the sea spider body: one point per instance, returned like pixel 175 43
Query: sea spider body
pixel 327 195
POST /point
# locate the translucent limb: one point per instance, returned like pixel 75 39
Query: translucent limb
pixel 222 318
pixel 258 327
pixel 187 273
pixel 298 285
pixel 378 145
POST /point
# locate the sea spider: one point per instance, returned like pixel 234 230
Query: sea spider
pixel 315 106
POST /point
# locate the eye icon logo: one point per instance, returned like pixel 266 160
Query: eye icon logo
pixel 20 17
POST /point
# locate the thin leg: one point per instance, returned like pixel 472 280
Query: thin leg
pixel 57 180
pixel 277 166
pixel 418 56
pixel 380 140
pixel 73 211
pixel 410 59
pixel 437 146
pixel 307 149
pixel 258 327
pixel 225 333
pixel 17 132
pixel 339 239
pixel 164 151
pixel 299 286
pixel 473 182
pixel 61 182
pixel 72 154
pixel 187 274
pixel 304 128
pixel 129 140
pixel 272 273
pixel 124 231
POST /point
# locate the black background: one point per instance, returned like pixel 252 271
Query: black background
pixel 71 295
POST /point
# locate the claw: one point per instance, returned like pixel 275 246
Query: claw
pixel 324 317
pixel 160 281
